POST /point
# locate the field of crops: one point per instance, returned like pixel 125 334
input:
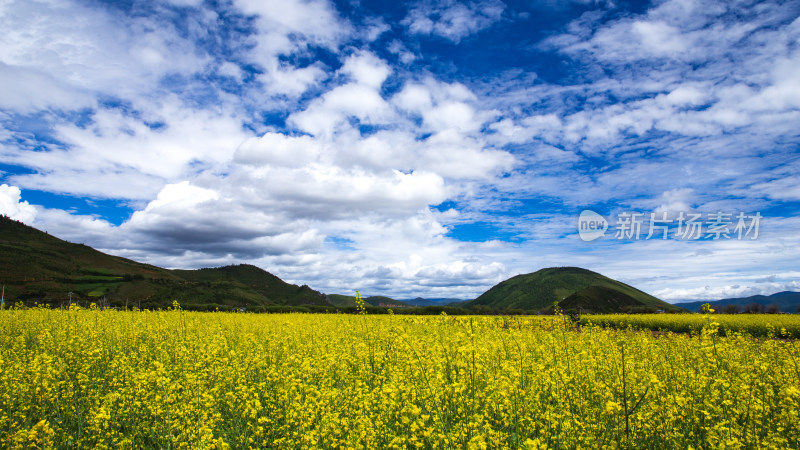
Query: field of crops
pixel 757 325
pixel 175 379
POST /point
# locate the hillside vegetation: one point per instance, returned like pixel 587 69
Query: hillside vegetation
pixel 36 266
pixel 538 291
pixel 601 299
pixel 379 301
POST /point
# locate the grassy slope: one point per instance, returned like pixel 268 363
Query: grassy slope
pixel 35 265
pixel 599 299
pixel 342 300
pixel 251 278
pixel 540 289
pixel 26 253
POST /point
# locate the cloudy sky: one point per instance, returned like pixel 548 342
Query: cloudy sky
pixel 429 148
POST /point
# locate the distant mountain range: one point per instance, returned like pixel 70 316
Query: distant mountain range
pixel 375 300
pixel 419 301
pixel 787 302
pixel 35 266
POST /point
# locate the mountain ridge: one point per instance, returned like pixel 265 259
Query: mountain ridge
pixel 786 301
pixel 36 266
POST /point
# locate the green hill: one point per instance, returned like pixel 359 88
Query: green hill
pixel 603 300
pixel 342 300
pixel 35 266
pixel 538 291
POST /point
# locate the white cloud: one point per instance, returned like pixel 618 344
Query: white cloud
pixel 282 80
pixel 232 70
pixel 289 143
pixel 366 69
pixel 316 20
pixel 449 142
pixel 385 149
pixel 323 191
pixel 99 184
pixel 685 94
pixel 289 27
pixel 185 217
pixel 452 115
pixel 695 71
pixel 456 156
pixel 92 52
pixel 785 188
pixel 327 114
pixel 453 20
pixel 675 201
pixel 406 56
pixel 278 149
pixel 677 30
pixel 28 90
pixel 460 273
pixel 193 3
pixel 360 99
pixel 414 98
pixel 719 286
pixel 12 205
pixel 659 38
pixel 443 107
pixel 114 156
pixel 183 194
pixel 89 230
pixel 374 28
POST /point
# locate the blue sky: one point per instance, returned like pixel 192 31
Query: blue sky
pixel 408 149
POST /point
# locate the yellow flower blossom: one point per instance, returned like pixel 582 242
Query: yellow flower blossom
pixel 91 378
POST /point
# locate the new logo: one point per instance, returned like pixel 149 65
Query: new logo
pixel 591 225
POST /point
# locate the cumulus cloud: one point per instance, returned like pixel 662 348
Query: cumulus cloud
pixel 186 224
pixel 461 273
pixel 675 201
pixel 286 28
pixel 360 99
pixel 316 20
pixel 12 205
pixel 330 113
pixel 277 149
pixel 321 144
pixel 449 142
pixel 367 69
pixel 320 191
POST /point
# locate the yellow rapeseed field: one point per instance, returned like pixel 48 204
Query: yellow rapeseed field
pixel 758 325
pixel 176 379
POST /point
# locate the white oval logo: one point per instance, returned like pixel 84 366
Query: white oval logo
pixel 591 225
